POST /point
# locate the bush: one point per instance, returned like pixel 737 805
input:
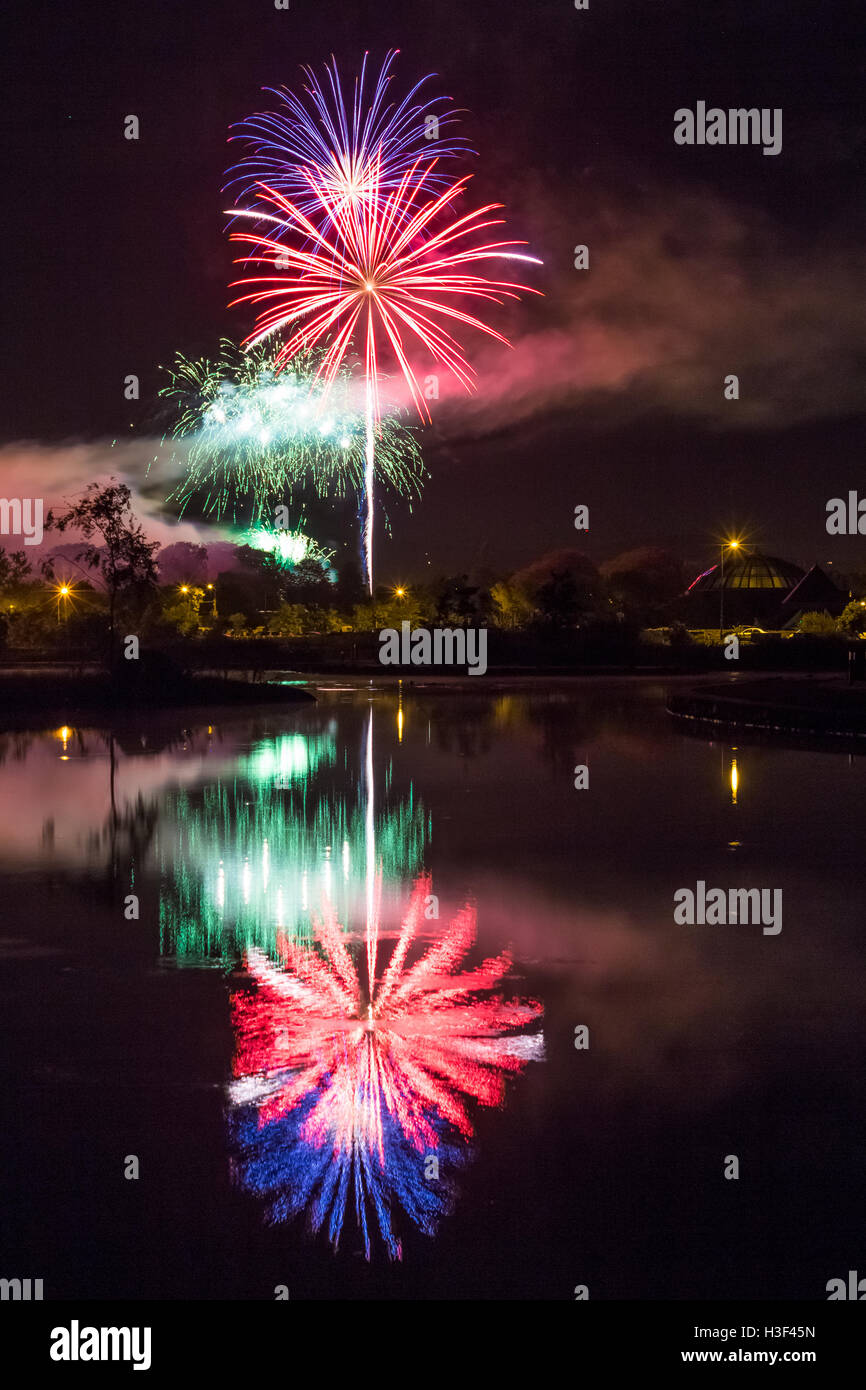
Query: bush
pixel 817 625
pixel 852 621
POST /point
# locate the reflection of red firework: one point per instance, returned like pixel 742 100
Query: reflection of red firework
pixel 370 1072
pixel 423 1041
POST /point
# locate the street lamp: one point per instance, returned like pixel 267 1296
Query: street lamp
pixel 63 592
pixel 726 545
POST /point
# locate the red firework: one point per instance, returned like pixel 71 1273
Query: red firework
pixel 385 264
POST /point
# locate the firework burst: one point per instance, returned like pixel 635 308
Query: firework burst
pixel 256 429
pixel 341 139
pixel 289 547
pixel 395 264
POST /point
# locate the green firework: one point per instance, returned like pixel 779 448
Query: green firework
pixel 253 434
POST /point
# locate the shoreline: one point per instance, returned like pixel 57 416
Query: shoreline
pixel 31 696
pixel 806 706
pixel 801 703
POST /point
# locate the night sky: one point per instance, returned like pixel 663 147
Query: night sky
pixel 703 261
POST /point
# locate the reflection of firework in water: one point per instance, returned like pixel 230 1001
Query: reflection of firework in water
pixel 244 856
pixel 342 1091
pixel 254 435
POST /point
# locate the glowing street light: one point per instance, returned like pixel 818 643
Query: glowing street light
pixel 726 545
pixel 63 593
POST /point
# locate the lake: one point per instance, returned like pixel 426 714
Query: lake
pixel 367 999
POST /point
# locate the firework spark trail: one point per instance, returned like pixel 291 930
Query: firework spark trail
pixel 396 262
pixel 371 880
pixel 369 474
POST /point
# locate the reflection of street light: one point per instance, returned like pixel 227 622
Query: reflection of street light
pixel 735 781
pixel 726 545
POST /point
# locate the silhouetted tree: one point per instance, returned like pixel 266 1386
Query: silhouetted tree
pixel 644 579
pixel 456 600
pixel 115 543
pixel 14 568
pixel 349 588
pixel 559 600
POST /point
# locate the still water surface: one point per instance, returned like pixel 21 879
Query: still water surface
pixel 339 1036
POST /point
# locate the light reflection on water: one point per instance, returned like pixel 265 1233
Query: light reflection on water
pixel 381 1053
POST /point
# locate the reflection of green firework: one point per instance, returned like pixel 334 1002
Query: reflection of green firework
pixel 254 855
pixel 255 433
pixel 288 758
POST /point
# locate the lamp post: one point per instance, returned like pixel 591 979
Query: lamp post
pixel 62 592
pixel 726 545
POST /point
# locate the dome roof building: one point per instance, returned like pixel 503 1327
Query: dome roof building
pixel 760 590
pixel 748 570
